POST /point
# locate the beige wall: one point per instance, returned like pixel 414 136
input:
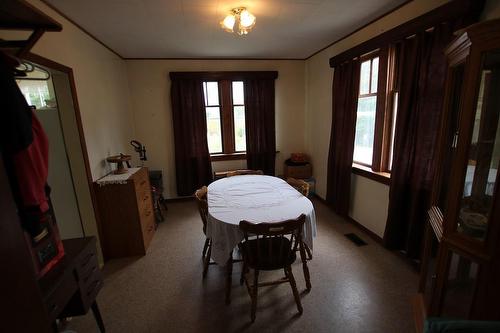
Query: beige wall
pixel 102 88
pixel 369 199
pixel 150 93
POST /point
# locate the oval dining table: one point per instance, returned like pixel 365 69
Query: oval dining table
pixel 254 198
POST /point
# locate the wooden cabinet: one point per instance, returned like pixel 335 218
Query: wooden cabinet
pixel 461 264
pixel 127 220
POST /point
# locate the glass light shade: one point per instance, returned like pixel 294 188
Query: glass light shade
pixel 246 19
pixel 228 23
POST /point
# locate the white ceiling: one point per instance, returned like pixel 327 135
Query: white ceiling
pixel 190 28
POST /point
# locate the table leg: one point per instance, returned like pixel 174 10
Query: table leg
pixel 98 318
pixel 229 272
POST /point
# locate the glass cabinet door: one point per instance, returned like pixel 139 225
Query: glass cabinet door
pixel 460 286
pixel 483 154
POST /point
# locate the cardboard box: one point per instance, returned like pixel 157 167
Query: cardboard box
pixel 298 171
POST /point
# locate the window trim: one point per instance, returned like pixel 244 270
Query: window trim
pixel 382 137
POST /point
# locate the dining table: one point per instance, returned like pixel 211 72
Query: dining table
pixel 253 198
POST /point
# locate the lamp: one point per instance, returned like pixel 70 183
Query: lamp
pixel 240 21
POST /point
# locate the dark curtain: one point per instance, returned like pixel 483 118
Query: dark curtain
pixel 260 124
pixel 192 159
pixel 345 101
pixel 422 74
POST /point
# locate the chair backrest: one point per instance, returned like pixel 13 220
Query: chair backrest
pixel 300 185
pixel 244 172
pixel 274 241
pixel 201 199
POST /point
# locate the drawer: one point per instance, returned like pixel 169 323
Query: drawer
pixel 91 289
pixel 141 181
pixel 86 261
pixel 57 300
pixel 147 218
pixel 144 200
pixel 148 232
pixel 86 274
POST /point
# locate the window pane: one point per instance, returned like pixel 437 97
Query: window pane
pixel 374 75
pixel 393 127
pixel 214 133
pixel 211 94
pixel 364 80
pixel 365 129
pixel 238 93
pixel 36 92
pixel 240 143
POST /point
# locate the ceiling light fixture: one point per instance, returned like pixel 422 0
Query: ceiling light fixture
pixel 240 21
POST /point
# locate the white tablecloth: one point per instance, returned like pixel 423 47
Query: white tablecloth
pixel 256 199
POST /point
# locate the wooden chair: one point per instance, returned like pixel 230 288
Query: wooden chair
pixel 300 185
pixel 201 199
pixel 303 187
pixel 244 172
pixel 271 246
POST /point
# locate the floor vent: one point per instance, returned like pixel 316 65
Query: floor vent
pixel 355 239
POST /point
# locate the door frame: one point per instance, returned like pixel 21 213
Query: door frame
pixel 69 71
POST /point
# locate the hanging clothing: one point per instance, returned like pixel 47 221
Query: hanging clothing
pixel 24 146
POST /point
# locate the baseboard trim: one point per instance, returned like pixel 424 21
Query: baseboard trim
pixel 370 233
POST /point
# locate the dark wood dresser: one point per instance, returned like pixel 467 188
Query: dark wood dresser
pixel 71 287
pixel 127 219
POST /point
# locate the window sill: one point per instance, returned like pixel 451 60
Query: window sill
pixel 381 177
pixel 228 157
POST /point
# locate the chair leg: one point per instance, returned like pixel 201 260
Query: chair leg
pixel 294 289
pixel 309 253
pixel 163 202
pixel 206 260
pixel 243 271
pixel 205 247
pixel 255 292
pixel 229 278
pixel 307 276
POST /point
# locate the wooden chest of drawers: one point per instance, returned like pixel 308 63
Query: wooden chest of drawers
pixel 127 220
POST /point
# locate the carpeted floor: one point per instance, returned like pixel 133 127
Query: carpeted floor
pixel 354 289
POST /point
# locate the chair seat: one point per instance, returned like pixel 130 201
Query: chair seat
pixel 269 255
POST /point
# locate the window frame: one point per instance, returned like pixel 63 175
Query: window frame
pixel 382 139
pixel 227 121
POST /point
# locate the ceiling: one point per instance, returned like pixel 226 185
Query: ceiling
pixel 287 29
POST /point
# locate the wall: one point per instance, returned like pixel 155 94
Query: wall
pixel 369 199
pixel 101 84
pixel 150 94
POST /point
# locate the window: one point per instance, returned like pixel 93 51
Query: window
pixel 36 92
pixel 376 112
pixel 225 109
pixel 367 108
